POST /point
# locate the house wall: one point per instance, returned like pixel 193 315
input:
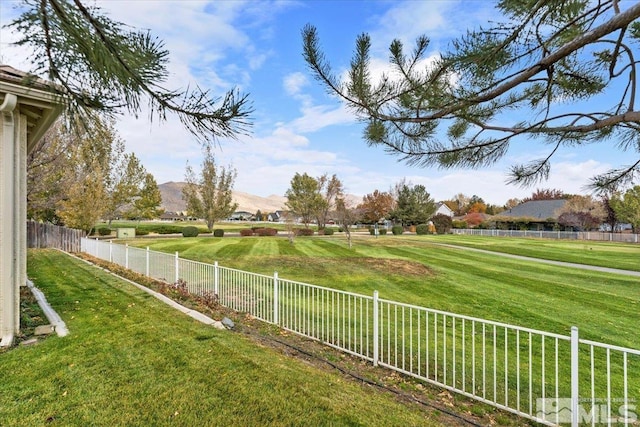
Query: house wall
pixel 13 246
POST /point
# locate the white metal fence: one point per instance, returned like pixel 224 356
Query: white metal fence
pixel 559 235
pixel 550 378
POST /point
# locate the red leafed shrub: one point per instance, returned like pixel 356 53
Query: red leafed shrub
pixel 266 231
pixel 303 232
pixel 246 232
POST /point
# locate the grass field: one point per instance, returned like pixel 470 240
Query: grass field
pixel 131 360
pixel 623 256
pixel 414 269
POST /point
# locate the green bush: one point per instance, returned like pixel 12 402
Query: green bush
pixel 381 231
pixel 459 224
pixel 190 231
pixel 141 232
pixel 422 229
pixel 218 232
pixel 397 230
pixel 104 231
pixel 327 231
pixel 246 232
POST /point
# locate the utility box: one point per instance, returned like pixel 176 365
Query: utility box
pixel 125 233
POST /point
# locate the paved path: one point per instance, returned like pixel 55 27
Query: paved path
pixel 548 261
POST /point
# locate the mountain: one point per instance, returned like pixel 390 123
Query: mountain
pixel 172 200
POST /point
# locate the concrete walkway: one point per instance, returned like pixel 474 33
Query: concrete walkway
pixel 547 261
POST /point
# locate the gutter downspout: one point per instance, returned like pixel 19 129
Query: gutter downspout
pixel 8 269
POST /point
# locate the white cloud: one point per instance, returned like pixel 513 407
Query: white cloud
pixel 294 82
pixel 318 117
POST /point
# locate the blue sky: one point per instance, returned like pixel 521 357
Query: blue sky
pixel 256 46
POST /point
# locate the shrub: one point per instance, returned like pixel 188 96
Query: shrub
pixel 422 229
pixel 167 229
pixel 190 231
pixel 265 231
pixel 443 223
pixel 218 232
pixel 372 231
pixel 397 230
pixel 382 231
pixel 246 232
pixel 459 224
pixel 327 231
pixel 104 231
pixel 141 232
pixel 303 232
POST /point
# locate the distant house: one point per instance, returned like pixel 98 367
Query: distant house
pixel 277 216
pixel 176 216
pixel 241 216
pixel 536 215
pixel 443 209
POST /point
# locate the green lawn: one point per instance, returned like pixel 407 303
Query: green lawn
pixel 625 256
pixel 131 360
pixel 412 269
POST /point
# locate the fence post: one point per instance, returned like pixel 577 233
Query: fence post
pixel 110 250
pixel 215 279
pixel 575 383
pixel 126 255
pixel 276 320
pixel 177 267
pixel 376 327
pixel 146 266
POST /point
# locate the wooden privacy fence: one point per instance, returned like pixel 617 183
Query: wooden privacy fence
pixel 46 235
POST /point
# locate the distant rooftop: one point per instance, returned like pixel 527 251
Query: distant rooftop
pixel 538 209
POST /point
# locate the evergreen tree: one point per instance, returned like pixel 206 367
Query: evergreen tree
pixel 100 65
pixel 514 78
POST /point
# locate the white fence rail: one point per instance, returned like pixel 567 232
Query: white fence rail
pixel 550 378
pixel 559 235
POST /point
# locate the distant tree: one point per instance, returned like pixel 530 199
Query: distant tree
pixel 546 194
pixel 582 212
pixel 124 180
pixel 304 198
pixel 85 199
pixel 512 203
pixel 258 216
pixel 147 205
pixel 460 202
pixel 627 207
pixel 376 206
pixel 347 216
pixel 47 166
pixel 210 195
pixel 581 221
pixel 100 65
pixel 533 72
pixel 494 209
pixel 442 223
pixel 474 219
pixel 477 207
pixel 610 217
pixel 330 189
pixel 414 205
